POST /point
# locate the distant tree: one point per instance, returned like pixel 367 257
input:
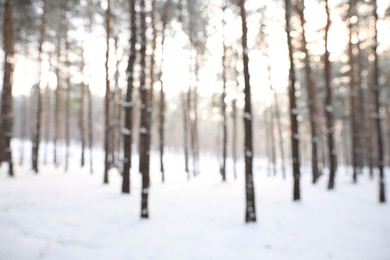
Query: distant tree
pixel 37 130
pixel 82 114
pixel 67 104
pixel 6 96
pixel 332 154
pixel 184 104
pixel 90 129
pixel 58 101
pixel 352 20
pixel 223 98
pixel 107 96
pixel 376 91
pixel 164 19
pixel 250 208
pixel 311 94
pixel 234 137
pixel 144 145
pixel 129 102
pixel 293 108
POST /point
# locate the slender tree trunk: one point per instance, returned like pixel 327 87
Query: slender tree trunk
pixel 24 111
pixel 129 103
pixel 329 106
pixel 164 18
pixel 223 99
pixel 195 132
pixel 272 137
pixel 152 59
pixel 57 105
pixel 312 96
pixel 376 91
pixel 185 134
pixel 90 129
pixel 37 130
pixel 82 124
pixel 47 118
pixel 107 97
pixel 184 108
pixel 293 109
pixel 250 208
pixel 82 113
pixel 67 107
pixel 352 86
pixel 144 153
pixel 6 98
pixel 234 137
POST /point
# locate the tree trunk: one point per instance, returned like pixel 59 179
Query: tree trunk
pixel 129 103
pixel 234 137
pixel 161 128
pixel 184 107
pixel 107 97
pixel 37 130
pixel 6 98
pixel 223 97
pixel 329 106
pixel 24 111
pixel 82 114
pixel 293 109
pixel 90 129
pixel 250 208
pixel 67 107
pixel 311 95
pixel 47 116
pixel 376 92
pixel 144 146
pixel 353 92
pixel 57 108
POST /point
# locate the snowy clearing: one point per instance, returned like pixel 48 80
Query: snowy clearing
pixel 58 215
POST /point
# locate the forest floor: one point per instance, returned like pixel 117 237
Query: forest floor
pixel 58 215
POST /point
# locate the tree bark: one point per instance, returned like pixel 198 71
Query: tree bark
pixel 107 97
pixel 161 128
pixel 90 129
pixel 250 208
pixel 312 96
pixel 57 108
pixel 378 118
pixel 144 146
pixel 82 114
pixel 129 103
pixel 293 109
pixel 332 154
pixel 37 130
pixel 6 98
pixel 223 97
pixel 234 137
pixel 353 92
pixel 67 107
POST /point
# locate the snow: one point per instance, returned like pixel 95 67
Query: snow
pixel 58 215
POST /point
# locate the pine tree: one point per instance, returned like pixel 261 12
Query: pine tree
pixel 329 105
pixel 144 146
pixel 293 108
pixel 37 130
pixel 107 97
pixel 6 123
pixel 128 104
pixel 250 209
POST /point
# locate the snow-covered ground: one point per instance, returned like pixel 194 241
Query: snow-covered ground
pixel 58 215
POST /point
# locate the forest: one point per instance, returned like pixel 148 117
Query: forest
pixel 144 93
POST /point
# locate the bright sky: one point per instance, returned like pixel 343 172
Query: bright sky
pixel 176 72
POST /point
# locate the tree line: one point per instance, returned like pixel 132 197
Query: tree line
pixel 338 108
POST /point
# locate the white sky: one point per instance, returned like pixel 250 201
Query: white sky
pixel 176 67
